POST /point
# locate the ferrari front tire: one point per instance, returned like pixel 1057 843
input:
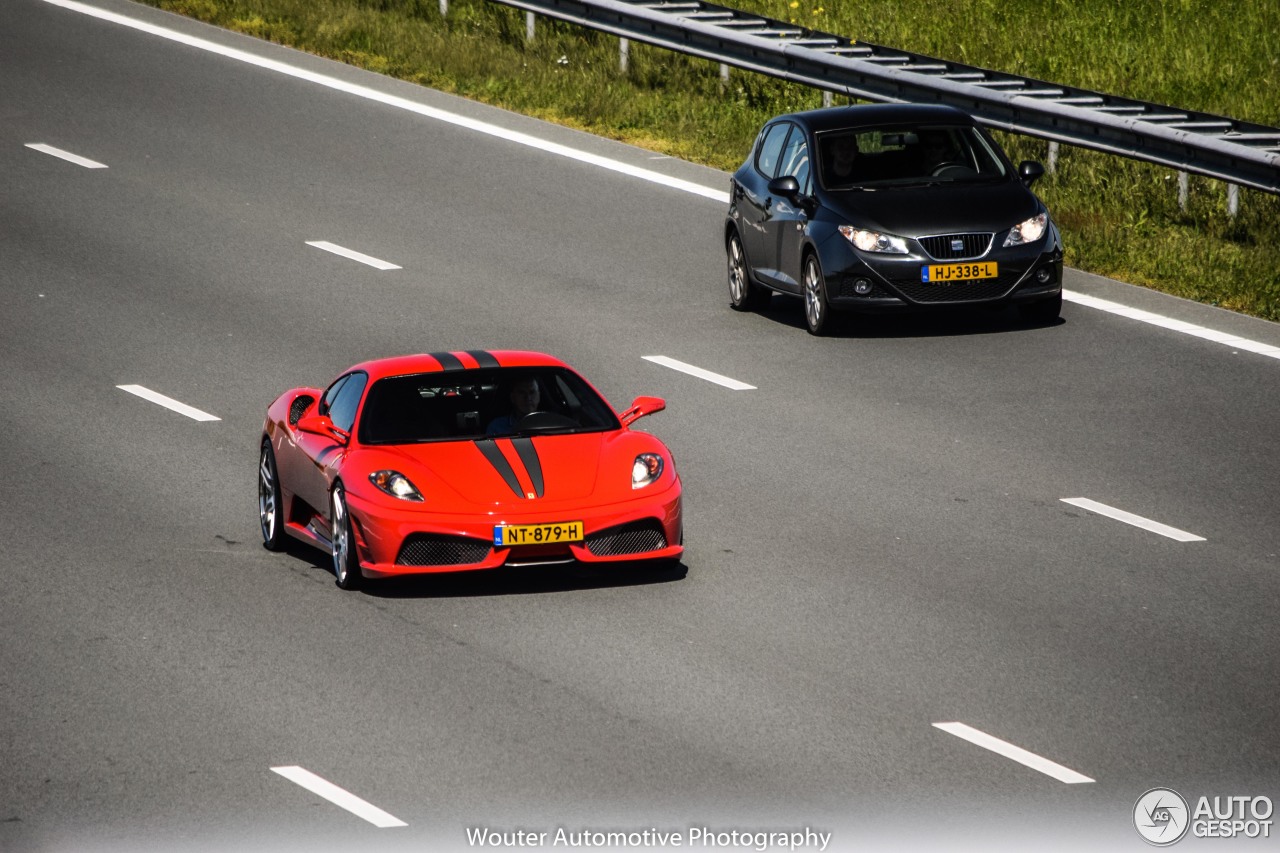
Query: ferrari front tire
pixel 346 568
pixel 270 504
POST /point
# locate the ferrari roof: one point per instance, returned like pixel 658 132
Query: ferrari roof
pixel 443 361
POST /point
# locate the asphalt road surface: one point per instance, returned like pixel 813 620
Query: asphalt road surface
pixel 881 564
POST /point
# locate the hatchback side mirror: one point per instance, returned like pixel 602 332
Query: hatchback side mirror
pixel 1030 171
pixel 642 406
pixel 789 188
pixel 786 186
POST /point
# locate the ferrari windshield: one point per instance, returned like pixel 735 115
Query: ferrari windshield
pixel 904 155
pixel 485 403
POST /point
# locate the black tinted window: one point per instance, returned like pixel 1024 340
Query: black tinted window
pixel 795 160
pixel 342 409
pixel 908 154
pixel 771 149
pixel 474 404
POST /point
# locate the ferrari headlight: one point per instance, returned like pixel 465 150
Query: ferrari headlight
pixel 647 468
pixel 874 241
pixel 1028 232
pixel 395 484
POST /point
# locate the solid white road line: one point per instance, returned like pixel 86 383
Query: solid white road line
pixel 339 797
pixel 1016 753
pixel 573 154
pixel 399 103
pixel 353 255
pixel 732 384
pixel 1135 520
pixel 168 403
pixel 1170 323
pixel 66 155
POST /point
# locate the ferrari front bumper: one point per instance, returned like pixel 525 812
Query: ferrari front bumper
pixel 420 541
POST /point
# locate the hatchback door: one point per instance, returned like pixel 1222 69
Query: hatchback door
pixel 756 203
pixel 784 230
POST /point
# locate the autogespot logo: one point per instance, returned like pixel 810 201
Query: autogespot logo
pixel 1161 817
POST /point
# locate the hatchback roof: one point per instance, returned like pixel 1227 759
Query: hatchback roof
pixel 870 115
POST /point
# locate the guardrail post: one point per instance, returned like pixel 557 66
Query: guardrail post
pixel 444 8
pixel 528 27
pixel 1233 200
pixel 826 98
pixel 1053 157
pixel 1184 189
pixel 624 54
pixel 724 76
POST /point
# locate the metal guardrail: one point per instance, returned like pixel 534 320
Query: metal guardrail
pixel 1214 146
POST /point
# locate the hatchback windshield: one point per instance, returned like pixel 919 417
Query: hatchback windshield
pixel 905 155
pixel 486 403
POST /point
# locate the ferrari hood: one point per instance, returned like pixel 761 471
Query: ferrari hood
pixel 494 471
pixel 940 209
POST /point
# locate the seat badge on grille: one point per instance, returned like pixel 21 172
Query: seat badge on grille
pixel 530 495
pixel 957 245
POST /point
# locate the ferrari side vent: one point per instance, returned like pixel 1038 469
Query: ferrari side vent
pixel 431 549
pixel 636 537
pixel 299 406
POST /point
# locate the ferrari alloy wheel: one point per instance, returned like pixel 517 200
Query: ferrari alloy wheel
pixel 270 504
pixel 346 569
pixel 817 312
pixel 744 295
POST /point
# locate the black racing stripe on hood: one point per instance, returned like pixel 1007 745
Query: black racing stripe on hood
pixel 448 361
pixel 529 456
pixel 500 464
pixel 484 358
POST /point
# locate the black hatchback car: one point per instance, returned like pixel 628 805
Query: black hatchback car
pixel 888 207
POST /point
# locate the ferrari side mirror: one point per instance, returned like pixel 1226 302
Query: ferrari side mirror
pixel 642 406
pixel 322 425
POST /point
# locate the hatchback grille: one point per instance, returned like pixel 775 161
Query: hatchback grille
pixel 957 291
pixel 943 247
pixel 431 549
pixel 634 538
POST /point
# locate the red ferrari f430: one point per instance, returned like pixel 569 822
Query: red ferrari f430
pixel 465 460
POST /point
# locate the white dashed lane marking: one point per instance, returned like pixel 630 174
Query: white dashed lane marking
pixel 376 263
pixel 169 403
pixel 339 797
pixel 1014 753
pixel 66 155
pixel 732 384
pixel 1135 520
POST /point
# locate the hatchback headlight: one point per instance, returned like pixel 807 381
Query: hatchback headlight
pixel 874 241
pixel 647 468
pixel 395 484
pixel 1028 232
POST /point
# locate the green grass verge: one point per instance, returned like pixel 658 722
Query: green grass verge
pixel 1119 218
